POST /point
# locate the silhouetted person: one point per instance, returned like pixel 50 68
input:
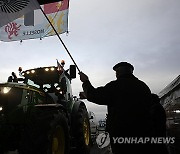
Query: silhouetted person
pixel 159 122
pixel 128 102
pixel 12 78
pixel 159 117
pixel 15 79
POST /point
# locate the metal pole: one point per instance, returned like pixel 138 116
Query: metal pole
pixel 60 39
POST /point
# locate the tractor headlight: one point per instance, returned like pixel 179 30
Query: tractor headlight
pixel 1 108
pixel 5 90
pixel 176 111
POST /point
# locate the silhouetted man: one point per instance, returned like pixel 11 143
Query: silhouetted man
pixel 159 117
pixel 159 122
pixel 128 100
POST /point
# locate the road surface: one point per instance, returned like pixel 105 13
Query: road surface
pixel 96 150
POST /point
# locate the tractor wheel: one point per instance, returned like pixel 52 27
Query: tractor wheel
pixel 50 135
pixel 83 134
pixel 59 138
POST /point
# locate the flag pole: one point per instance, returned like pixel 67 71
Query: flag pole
pixel 60 39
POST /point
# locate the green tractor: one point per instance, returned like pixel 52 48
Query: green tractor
pixel 39 115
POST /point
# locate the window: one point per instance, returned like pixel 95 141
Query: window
pixel 31 83
pixel 38 98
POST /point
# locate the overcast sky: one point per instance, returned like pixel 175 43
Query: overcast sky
pixel 102 33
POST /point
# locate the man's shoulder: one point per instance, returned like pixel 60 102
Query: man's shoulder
pixel 126 81
pixel 143 83
pixel 112 82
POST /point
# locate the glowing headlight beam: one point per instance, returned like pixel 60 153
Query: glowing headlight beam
pixel 177 111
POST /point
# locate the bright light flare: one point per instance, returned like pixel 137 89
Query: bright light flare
pixel 58 88
pixel 6 90
pixel 32 71
pixel 177 111
pixel 1 108
pixel 46 69
pixel 27 72
pixel 52 68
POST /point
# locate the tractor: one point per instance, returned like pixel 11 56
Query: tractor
pixel 39 114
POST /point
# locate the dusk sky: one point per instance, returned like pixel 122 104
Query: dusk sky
pixel 145 33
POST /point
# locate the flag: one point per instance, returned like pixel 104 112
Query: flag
pixel 59 65
pixel 51 8
pixel 13 9
pixel 42 2
pixel 34 25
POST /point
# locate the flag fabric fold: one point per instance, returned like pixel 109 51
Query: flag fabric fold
pixel 13 9
pixel 34 25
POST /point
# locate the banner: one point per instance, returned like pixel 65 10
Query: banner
pixel 42 2
pixel 13 9
pixel 34 24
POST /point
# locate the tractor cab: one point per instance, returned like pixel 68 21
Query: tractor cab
pixel 52 80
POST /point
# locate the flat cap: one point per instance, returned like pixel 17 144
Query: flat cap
pixel 122 64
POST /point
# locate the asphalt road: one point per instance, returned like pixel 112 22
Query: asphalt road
pixel 96 150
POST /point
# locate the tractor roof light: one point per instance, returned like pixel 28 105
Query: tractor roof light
pixel 46 69
pixel 52 68
pixel 32 71
pixel 27 72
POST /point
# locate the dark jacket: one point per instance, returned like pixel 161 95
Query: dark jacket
pixel 158 116
pixel 128 100
pixel 159 123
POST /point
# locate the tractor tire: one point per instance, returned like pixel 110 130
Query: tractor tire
pixel 83 134
pixel 48 136
pixel 59 137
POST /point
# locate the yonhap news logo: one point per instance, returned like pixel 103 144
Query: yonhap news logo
pixel 103 140
pixel 143 140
